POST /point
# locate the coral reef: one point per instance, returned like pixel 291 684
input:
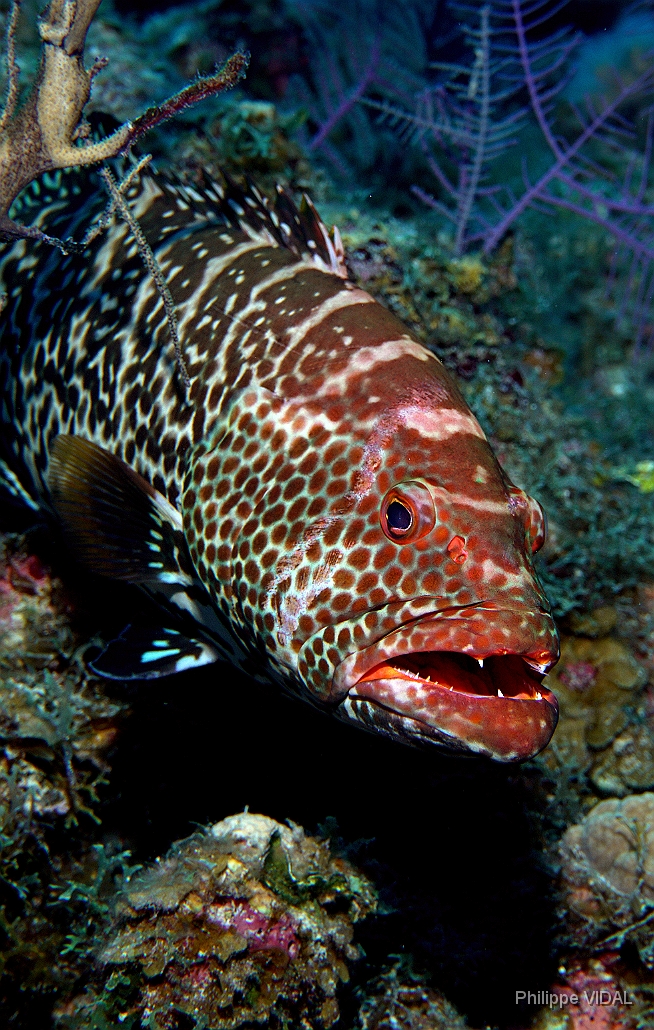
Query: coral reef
pixel 56 722
pixel 600 684
pixel 256 139
pixel 250 919
pixel 608 875
pixel 57 725
pixel 248 922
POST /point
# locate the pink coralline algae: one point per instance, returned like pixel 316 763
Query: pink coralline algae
pixel 593 999
pixel 257 930
pixel 20 574
pixel 579 675
pixel 32 607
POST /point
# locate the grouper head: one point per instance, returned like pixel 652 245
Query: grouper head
pixel 358 524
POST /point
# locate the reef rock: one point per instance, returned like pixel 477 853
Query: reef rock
pixel 56 721
pixel 608 874
pixel 247 923
pixel 599 684
pixel 397 1000
pixel 592 996
pixel 57 725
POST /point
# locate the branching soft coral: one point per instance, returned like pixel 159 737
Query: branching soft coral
pixel 597 166
pixel 47 130
pixel 356 49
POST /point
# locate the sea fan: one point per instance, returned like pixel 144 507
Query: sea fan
pixel 582 175
pixel 599 151
pixel 363 48
pixel 464 122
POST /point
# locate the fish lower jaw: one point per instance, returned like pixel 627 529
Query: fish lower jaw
pixel 495 706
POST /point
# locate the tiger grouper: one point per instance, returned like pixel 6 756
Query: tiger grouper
pixel 320 507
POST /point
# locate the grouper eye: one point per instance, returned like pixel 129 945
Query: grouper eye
pixel 407 512
pixel 399 518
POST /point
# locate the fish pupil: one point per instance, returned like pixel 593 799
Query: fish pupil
pixel 398 517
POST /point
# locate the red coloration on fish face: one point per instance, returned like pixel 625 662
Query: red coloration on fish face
pixel 457 549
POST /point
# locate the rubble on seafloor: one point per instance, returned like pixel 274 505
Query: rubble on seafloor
pixel 400 1000
pixel 246 923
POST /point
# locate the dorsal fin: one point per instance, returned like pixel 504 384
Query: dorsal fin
pixel 299 229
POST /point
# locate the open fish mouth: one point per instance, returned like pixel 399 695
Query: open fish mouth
pixel 495 706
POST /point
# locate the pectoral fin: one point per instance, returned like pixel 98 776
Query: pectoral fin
pixel 117 524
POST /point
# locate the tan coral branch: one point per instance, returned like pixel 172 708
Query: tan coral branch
pixel 43 134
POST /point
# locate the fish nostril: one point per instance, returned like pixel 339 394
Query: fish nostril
pixel 457 550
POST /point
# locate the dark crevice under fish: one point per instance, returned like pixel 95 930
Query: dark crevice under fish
pixel 321 509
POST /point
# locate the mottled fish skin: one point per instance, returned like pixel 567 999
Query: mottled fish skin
pixel 309 402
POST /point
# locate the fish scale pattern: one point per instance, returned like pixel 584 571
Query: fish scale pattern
pixel 309 403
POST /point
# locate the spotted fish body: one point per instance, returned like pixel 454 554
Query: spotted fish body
pixel 322 502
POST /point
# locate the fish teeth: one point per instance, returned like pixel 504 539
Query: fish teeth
pixel 481 662
pixel 408 672
pixel 499 693
pixel 537 666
